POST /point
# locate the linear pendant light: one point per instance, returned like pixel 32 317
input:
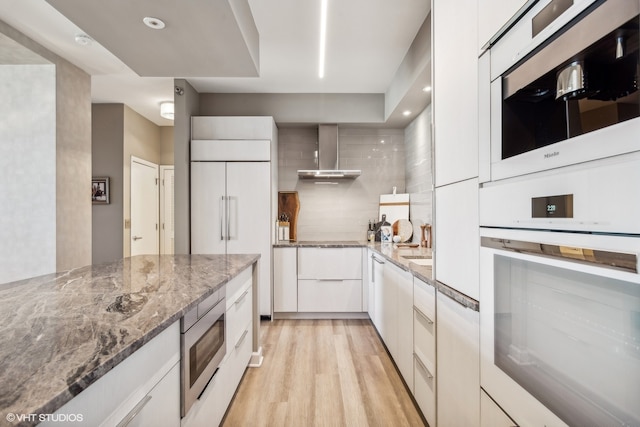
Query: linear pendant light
pixel 323 36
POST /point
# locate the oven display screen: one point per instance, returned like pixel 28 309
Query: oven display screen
pixel 552 206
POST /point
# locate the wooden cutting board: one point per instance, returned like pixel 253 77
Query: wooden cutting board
pixel 404 229
pixel 289 203
pixel 394 206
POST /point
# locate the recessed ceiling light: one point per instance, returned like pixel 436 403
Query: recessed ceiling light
pixel 406 113
pixel 323 37
pixel 426 89
pixel 154 23
pixel 83 39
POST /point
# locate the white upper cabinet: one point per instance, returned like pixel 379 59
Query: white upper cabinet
pixel 455 90
pixel 494 15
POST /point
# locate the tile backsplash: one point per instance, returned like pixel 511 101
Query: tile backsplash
pixel 341 210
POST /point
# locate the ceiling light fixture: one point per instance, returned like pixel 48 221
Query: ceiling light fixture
pixel 323 36
pixel 426 89
pixel 154 23
pixel 166 110
pixel 406 113
pixel 83 39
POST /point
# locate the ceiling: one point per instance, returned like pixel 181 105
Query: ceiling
pixel 366 42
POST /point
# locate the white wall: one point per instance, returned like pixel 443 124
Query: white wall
pixel 28 165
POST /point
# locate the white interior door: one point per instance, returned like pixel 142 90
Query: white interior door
pixel 166 209
pixel 145 208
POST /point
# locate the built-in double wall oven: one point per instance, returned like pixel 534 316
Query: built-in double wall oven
pixel 560 217
pixel 560 295
pixel 564 86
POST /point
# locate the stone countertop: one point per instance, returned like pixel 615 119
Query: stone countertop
pixel 60 332
pixel 320 244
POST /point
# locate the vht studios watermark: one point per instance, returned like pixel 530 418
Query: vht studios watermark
pixel 52 418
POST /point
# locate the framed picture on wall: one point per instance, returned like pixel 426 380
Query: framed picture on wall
pixel 100 190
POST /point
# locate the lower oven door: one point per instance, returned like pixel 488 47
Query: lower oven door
pixel 560 327
pixel 203 348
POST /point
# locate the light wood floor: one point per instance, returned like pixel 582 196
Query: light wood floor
pixel 322 373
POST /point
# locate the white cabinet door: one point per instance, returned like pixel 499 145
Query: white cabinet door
pixel 404 330
pixel 330 263
pixel 249 225
pixel 208 181
pixel 455 90
pixel 161 407
pixel 389 314
pixel 458 368
pixel 458 237
pixel 285 280
pixel 379 302
pixel 495 14
pixel 491 415
pixel 329 296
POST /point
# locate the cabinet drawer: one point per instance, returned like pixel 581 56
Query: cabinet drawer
pixel 330 296
pixel 425 390
pixel 424 298
pixel 330 263
pixel 237 317
pixel 424 338
pixel 237 286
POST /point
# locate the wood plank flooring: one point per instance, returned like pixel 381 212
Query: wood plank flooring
pixel 322 373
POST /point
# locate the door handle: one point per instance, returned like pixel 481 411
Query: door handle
pixel 228 217
pixel 136 238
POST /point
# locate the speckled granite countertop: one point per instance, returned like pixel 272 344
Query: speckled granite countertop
pixel 393 253
pixel 60 332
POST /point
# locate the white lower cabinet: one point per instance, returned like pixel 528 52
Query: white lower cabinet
pixel 376 283
pixel 424 348
pixel 331 296
pixel 330 280
pixel 491 415
pixel 458 368
pixel 158 408
pixel 394 302
pixel 285 280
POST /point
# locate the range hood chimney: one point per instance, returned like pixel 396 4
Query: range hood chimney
pixel 328 157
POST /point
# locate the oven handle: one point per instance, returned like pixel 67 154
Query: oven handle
pixel 606 259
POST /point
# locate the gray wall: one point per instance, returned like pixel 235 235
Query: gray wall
pixel 297 107
pixel 72 159
pixel 107 160
pixel 341 211
pixel 186 105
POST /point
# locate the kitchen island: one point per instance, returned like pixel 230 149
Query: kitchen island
pixel 61 332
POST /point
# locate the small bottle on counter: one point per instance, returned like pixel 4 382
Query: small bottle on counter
pixel 371 233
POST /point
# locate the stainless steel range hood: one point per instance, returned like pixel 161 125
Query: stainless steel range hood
pixel 328 157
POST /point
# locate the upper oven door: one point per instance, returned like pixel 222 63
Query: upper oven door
pixel 560 326
pixel 570 98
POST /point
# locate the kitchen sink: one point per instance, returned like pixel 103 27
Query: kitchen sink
pixel 419 259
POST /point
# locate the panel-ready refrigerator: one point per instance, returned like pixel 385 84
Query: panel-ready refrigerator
pixel 231 210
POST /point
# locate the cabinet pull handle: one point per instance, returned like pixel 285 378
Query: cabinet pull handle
pixel 376 260
pixel 424 316
pixel 330 280
pixel 228 217
pixel 244 294
pixel 244 334
pixel 134 412
pixel 221 217
pixel 424 368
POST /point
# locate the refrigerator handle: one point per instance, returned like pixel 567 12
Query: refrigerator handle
pixel 228 217
pixel 221 217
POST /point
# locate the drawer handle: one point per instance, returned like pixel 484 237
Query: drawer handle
pixel 424 316
pixel 424 368
pixel 376 260
pixel 239 343
pixel 330 280
pixel 239 300
pixel 134 412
